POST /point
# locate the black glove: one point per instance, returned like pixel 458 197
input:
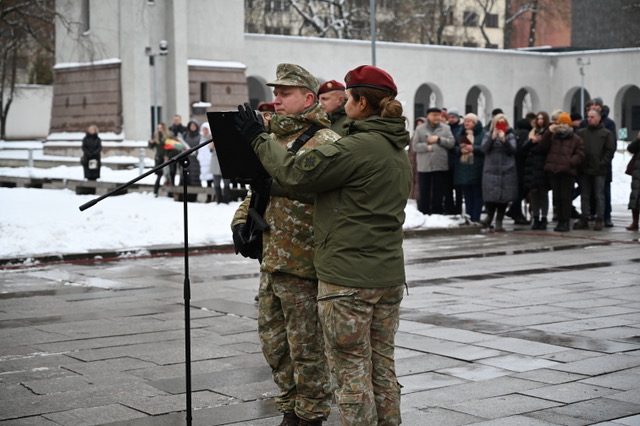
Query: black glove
pixel 248 123
pixel 244 244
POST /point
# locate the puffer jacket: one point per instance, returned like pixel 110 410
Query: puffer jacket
pixel 565 151
pixel 499 176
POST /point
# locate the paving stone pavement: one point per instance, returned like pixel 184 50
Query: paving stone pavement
pixel 516 328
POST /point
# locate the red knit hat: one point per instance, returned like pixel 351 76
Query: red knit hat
pixel 370 76
pixel 330 86
pixel 565 118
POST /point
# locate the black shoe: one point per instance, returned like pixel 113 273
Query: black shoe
pixel 581 224
pixel 304 422
pixel 521 220
pixel 598 225
pixel 608 224
pixel 562 227
pixel 543 224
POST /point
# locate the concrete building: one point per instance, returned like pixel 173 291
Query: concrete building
pixel 104 74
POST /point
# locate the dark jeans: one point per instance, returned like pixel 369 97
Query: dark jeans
pixel 472 200
pixel 562 187
pixel 432 191
pixel 592 186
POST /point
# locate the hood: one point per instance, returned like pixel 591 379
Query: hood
pixel 392 129
pixel 563 131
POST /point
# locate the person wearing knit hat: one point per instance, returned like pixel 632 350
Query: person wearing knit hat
pixel 332 98
pixel 565 154
pixel 288 322
pixel 362 183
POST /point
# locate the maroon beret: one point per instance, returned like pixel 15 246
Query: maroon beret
pixel 370 76
pixel 329 86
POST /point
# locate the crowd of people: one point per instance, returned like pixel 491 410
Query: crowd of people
pixel 204 168
pixel 511 170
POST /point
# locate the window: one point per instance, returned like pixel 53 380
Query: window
pixel 470 19
pixel 450 17
pixel 204 91
pixel 85 23
pixel 491 46
pixel 276 5
pixel 470 44
pixel 492 20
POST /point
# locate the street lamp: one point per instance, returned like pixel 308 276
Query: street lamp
pixel 582 63
pixel 163 50
pixel 372 11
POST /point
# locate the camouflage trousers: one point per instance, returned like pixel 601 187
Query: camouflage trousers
pixel 292 344
pixel 359 327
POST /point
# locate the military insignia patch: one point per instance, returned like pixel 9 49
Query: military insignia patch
pixel 310 161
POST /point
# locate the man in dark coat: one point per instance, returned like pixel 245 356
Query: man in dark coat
pixel 522 129
pixel 599 149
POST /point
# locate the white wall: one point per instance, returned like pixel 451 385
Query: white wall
pixel 30 112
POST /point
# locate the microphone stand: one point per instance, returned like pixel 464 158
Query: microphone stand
pixel 183 158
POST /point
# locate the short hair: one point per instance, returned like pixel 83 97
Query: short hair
pixel 471 116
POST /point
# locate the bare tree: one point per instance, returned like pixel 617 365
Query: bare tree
pixel 532 11
pixel 487 7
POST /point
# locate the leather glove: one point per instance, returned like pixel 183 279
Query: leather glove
pixel 248 123
pixel 239 237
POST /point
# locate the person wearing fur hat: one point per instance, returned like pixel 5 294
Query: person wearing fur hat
pixel 499 176
pixel 332 99
pixel 565 154
pixel 361 184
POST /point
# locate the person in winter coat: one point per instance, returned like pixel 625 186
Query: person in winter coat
pixel 361 184
pixel 431 142
pixel 535 179
pixel 222 193
pixel 599 146
pixel 192 134
pixel 499 177
pixel 467 170
pixel 565 153
pixel 91 153
pixel 204 158
pixel 521 130
pixel 634 197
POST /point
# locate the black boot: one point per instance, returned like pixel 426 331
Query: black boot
pixel 536 223
pixel 304 422
pixel 582 223
pixel 543 224
pixel 290 419
pixel 563 226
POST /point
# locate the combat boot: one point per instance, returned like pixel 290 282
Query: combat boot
pixel 290 419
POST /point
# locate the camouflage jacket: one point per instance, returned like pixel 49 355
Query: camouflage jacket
pixel 288 244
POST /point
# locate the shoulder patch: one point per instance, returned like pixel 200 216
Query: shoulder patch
pixel 310 161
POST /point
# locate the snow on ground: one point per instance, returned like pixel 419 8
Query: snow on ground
pixel 43 221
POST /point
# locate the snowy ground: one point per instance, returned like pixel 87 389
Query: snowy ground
pixel 41 221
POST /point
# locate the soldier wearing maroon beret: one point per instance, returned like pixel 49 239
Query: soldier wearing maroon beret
pixel 332 99
pixel 361 184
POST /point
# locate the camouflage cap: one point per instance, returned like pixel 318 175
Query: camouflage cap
pixel 294 75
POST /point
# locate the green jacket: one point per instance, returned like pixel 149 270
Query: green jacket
pixel 362 183
pixel 339 121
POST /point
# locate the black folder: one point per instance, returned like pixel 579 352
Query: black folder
pixel 236 157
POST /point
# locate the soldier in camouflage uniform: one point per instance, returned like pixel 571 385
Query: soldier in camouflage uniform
pixel 288 323
pixel 362 183
pixel 332 98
